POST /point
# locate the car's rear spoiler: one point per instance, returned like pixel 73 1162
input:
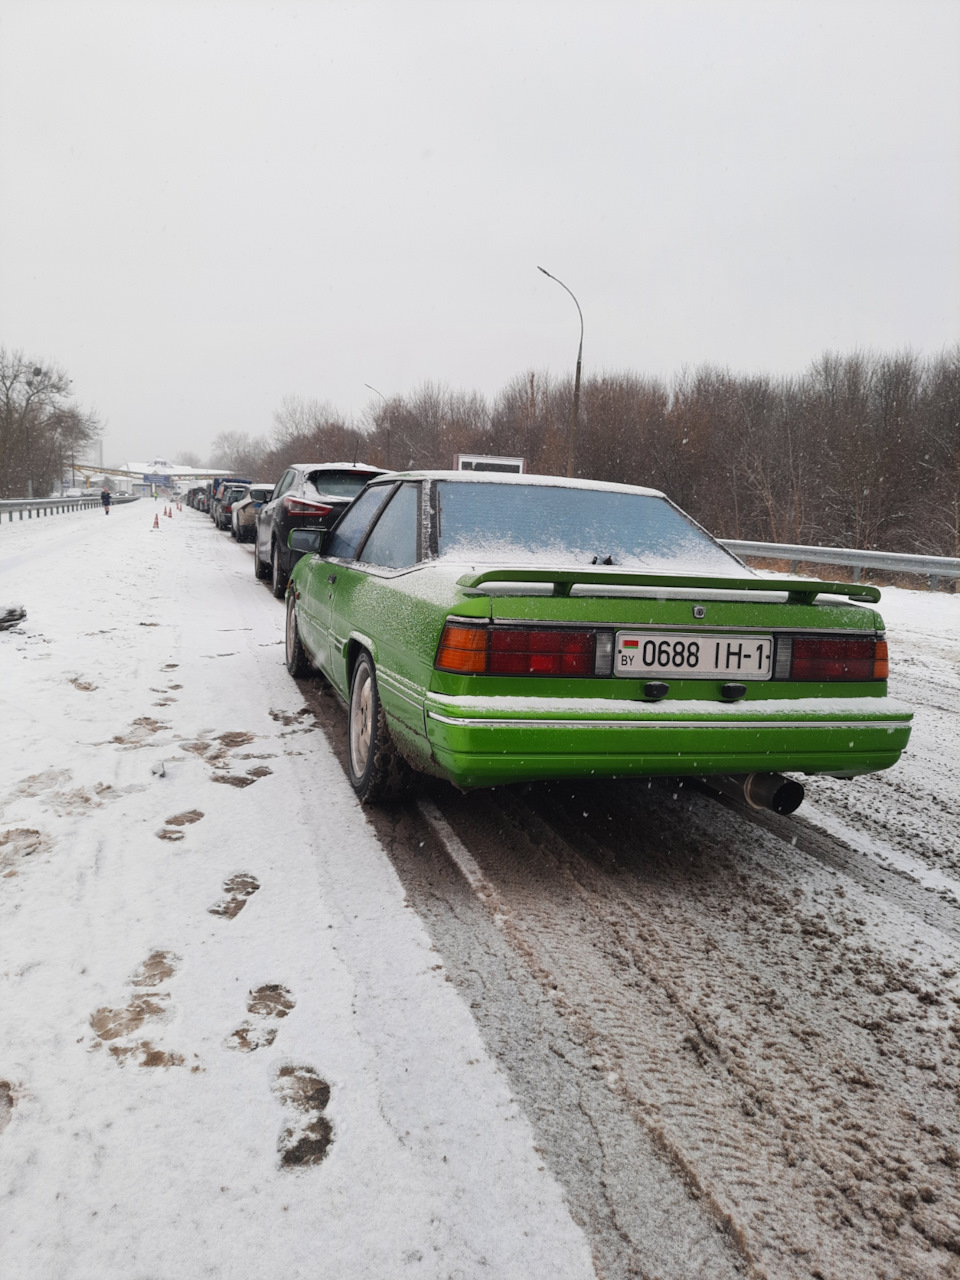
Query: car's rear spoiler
pixel 799 590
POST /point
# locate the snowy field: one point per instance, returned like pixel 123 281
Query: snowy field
pixel 227 1045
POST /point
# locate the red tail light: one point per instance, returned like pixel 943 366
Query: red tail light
pixel 301 507
pixel 516 651
pixel 835 658
pixel 541 653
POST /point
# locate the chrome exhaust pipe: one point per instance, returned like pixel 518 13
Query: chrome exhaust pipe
pixel 760 790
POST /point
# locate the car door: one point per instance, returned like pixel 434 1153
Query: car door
pixel 332 572
pixel 372 604
pixel 265 516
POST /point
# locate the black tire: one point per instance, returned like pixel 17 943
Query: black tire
pixel 377 770
pixel 261 571
pixel 278 575
pixel 298 664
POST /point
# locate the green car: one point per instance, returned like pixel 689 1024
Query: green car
pixel 492 629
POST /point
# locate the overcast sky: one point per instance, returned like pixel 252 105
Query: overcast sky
pixel 206 206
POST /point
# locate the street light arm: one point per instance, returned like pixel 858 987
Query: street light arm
pixel 573 428
pixel 572 295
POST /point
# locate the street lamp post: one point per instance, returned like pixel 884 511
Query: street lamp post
pixel 34 373
pixel 387 419
pixel 573 428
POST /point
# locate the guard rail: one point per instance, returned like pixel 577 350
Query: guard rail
pixel 53 506
pixel 932 567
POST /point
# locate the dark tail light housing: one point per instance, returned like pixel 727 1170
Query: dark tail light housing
pixel 523 651
pixel 836 658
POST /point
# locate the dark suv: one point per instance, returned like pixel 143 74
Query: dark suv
pixel 220 486
pixel 228 493
pixel 306 495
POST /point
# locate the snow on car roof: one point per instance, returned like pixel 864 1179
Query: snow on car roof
pixel 336 466
pixel 524 478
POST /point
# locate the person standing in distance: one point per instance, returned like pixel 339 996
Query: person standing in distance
pixel 105 500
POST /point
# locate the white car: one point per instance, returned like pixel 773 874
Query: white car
pixel 244 514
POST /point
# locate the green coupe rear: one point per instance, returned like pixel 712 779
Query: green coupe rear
pixel 492 630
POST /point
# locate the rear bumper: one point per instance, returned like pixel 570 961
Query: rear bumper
pixel 483 742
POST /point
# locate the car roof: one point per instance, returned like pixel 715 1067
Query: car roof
pixel 337 466
pixel 506 477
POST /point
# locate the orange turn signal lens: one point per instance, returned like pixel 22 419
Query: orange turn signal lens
pixel 881 662
pixel 463 649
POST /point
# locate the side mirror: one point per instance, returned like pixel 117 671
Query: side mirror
pixel 306 541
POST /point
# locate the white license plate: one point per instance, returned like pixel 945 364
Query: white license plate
pixel 693 656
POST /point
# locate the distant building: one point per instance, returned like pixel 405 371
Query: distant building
pixel 488 462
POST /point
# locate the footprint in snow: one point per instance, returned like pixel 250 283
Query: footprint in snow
pixel 271 1001
pixel 8 1101
pixel 216 755
pixel 139 732
pixel 16 844
pixel 146 1004
pixel 307 1137
pixel 171 830
pixel 243 780
pixel 238 889
pixel 289 717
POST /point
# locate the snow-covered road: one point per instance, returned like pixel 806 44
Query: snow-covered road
pixel 227 1045
pixel 570 1030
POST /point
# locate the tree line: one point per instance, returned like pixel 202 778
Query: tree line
pixel 860 451
pixel 41 430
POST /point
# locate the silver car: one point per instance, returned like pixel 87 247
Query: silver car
pixel 244 514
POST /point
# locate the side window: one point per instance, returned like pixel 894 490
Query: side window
pixel 393 542
pixel 349 532
pixel 284 483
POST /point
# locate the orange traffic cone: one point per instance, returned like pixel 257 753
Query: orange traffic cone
pixel 156 521
pixel 170 513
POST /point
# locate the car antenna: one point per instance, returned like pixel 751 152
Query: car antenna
pixel 356 450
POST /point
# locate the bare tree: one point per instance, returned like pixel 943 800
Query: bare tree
pixel 235 453
pixel 37 424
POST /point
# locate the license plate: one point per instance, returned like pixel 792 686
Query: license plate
pixel 696 656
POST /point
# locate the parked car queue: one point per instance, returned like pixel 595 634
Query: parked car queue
pixel 492 629
pixel 307 495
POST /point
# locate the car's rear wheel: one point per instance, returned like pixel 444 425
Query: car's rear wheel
pixel 278 576
pixel 261 570
pixel 377 770
pixel 298 664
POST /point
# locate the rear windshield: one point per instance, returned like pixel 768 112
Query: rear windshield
pixel 513 523
pixel 340 484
